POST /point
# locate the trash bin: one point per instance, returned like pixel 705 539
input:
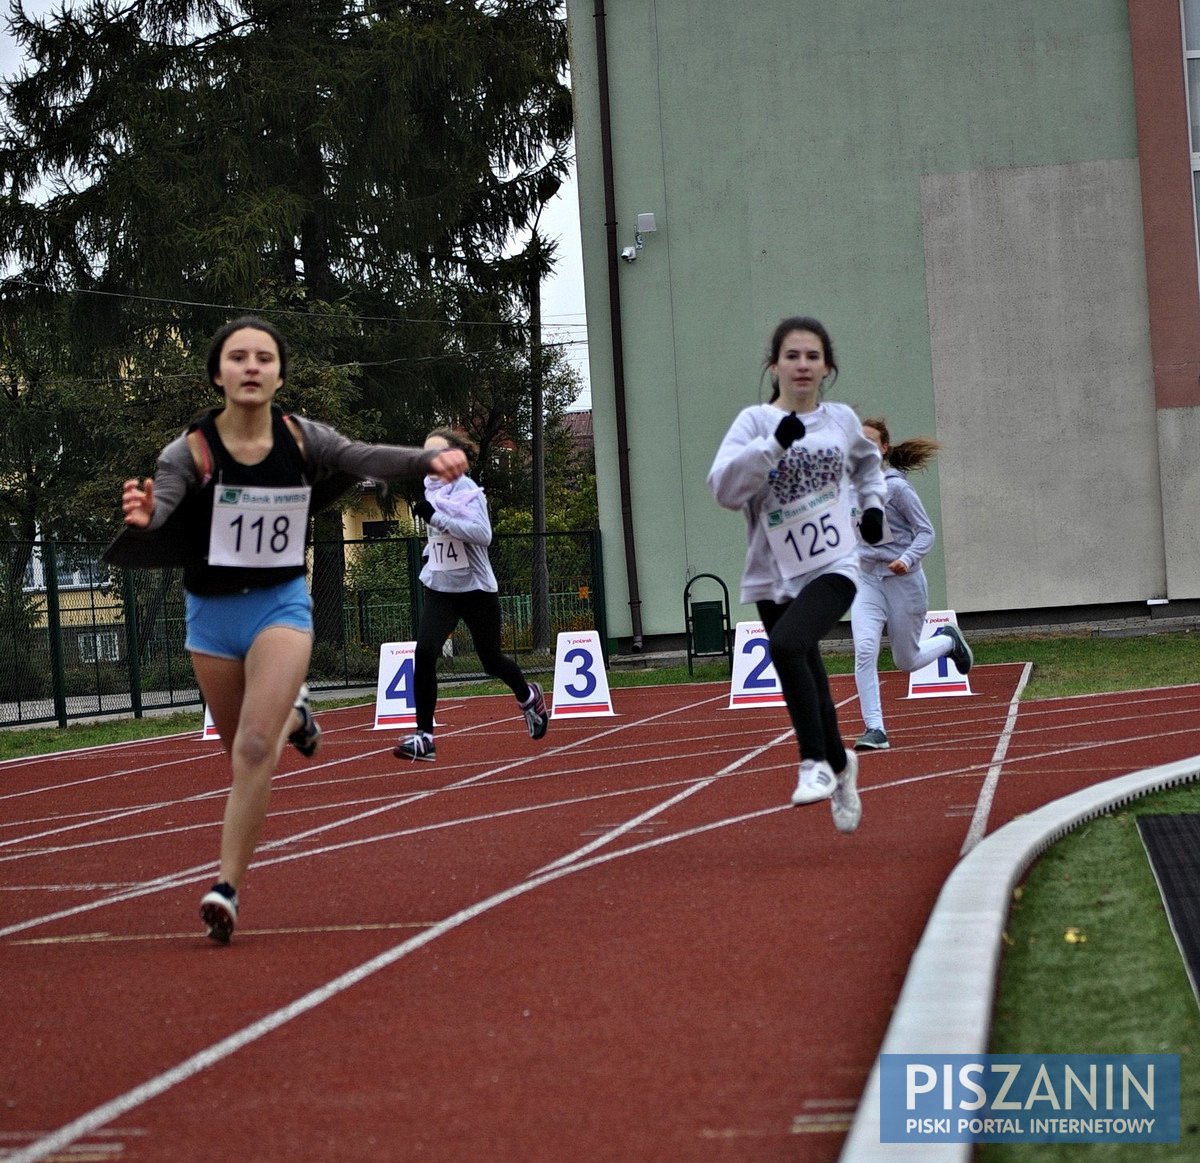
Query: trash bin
pixel 707 623
pixel 708 628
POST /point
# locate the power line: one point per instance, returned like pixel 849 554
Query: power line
pixel 286 311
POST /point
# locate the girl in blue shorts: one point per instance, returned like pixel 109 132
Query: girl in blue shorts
pixel 230 501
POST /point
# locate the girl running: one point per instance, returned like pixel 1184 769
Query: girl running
pixel 892 590
pixel 791 466
pixel 460 586
pixel 230 501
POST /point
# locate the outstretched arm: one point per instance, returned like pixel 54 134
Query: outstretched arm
pixel 449 464
pixel 328 449
pixel 137 502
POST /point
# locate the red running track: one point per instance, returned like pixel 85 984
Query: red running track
pixel 616 944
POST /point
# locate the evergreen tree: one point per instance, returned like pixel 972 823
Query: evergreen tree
pixel 164 163
pixel 355 168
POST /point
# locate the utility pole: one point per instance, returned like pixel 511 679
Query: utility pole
pixel 540 599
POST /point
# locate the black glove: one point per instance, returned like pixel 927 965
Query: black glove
pixel 871 526
pixel 422 509
pixel 791 428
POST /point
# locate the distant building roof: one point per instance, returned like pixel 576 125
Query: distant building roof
pixel 579 425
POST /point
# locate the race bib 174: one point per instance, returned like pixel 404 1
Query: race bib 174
pixel 446 552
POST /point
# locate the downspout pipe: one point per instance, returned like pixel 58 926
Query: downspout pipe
pixel 614 312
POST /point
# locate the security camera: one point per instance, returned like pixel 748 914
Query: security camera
pixel 629 254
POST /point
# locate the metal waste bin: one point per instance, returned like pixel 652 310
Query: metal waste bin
pixel 707 623
pixel 708 628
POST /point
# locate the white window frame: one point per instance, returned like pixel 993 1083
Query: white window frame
pixel 102 645
pixel 1189 55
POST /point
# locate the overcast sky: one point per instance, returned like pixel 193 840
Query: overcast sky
pixel 563 316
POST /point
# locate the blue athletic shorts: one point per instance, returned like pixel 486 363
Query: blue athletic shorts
pixel 226 625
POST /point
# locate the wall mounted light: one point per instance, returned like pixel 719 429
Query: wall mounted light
pixel 645 225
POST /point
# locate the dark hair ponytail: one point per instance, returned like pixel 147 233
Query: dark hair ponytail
pixel 909 455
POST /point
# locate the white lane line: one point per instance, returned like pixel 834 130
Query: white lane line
pixel 187 875
pixel 72 752
pixel 987 792
pixel 120 814
pixel 184 876
pixel 74 783
pixel 327 807
pixel 152 1088
pixel 615 833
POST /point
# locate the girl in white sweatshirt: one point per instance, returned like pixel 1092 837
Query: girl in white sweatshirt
pixel 460 586
pixel 892 592
pixel 792 466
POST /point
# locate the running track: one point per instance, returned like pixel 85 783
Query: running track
pixel 616 944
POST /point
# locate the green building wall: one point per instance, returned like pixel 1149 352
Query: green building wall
pixel 952 188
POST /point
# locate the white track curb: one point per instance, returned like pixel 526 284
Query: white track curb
pixel 945 1006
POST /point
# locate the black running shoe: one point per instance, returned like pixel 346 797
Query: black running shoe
pixel 536 718
pixel 218 910
pixel 961 655
pixel 418 746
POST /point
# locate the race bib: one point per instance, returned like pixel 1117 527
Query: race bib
pixel 446 552
pixel 856 517
pixel 254 528
pixel 811 532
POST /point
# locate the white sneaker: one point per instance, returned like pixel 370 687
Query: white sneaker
pixel 816 782
pixel 845 803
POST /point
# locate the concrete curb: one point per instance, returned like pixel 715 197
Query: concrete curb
pixel 945 1006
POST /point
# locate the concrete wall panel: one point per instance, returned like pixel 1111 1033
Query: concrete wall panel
pixel 1179 439
pixel 1043 386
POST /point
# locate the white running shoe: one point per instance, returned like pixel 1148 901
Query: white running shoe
pixel 816 782
pixel 845 803
pixel 536 718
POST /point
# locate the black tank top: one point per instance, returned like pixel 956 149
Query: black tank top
pixel 282 466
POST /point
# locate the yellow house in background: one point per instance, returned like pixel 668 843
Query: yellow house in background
pixel 92 616
pixel 363 518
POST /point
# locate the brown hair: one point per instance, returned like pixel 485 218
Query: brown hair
pixel 254 323
pixel 456 439
pixel 909 455
pixel 782 330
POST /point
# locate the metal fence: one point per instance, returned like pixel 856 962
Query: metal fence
pixel 79 639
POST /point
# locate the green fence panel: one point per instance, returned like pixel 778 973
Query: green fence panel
pixel 79 639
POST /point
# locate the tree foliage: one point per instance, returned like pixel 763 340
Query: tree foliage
pixel 356 170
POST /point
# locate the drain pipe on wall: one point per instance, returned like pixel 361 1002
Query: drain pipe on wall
pixel 614 310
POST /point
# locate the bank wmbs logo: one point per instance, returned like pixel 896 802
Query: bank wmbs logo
pixel 1029 1098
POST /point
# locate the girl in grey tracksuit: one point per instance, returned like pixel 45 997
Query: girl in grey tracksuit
pixel 791 466
pixel 892 591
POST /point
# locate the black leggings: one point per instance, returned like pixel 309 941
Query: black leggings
pixel 794 630
pixel 439 615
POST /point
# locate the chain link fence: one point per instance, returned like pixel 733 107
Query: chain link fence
pixel 79 639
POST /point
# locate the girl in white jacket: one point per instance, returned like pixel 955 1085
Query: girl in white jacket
pixel 792 466
pixel 460 586
pixel 892 592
